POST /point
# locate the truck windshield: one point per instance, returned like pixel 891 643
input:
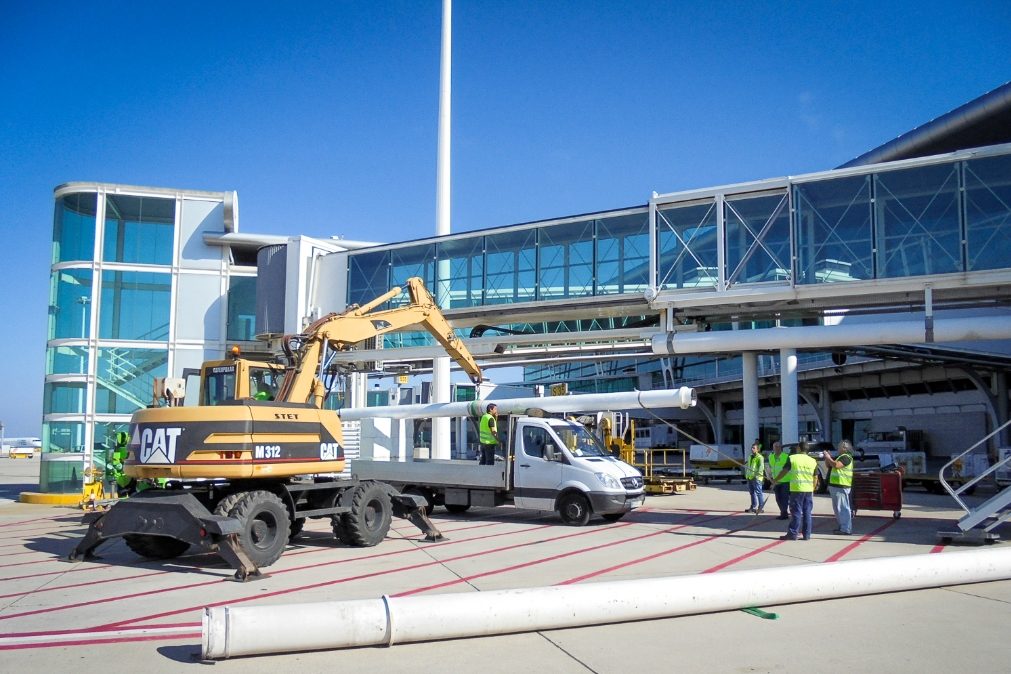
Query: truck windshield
pixel 578 440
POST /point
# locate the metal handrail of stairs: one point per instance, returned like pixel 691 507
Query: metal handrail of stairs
pixel 969 485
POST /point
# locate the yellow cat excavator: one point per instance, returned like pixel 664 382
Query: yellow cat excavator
pixel 256 457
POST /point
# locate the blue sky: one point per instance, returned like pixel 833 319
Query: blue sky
pixel 322 115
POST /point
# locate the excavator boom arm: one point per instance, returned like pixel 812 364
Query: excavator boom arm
pixel 341 331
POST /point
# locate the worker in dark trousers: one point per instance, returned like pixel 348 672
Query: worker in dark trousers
pixel 754 473
pixel 777 460
pixel 840 480
pixel 488 435
pixel 801 469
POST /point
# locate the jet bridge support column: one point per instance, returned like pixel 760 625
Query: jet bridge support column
pixel 750 386
pixel 788 394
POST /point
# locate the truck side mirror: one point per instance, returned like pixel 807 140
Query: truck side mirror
pixel 550 453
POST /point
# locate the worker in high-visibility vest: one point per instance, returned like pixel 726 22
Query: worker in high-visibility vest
pixel 777 460
pixel 801 469
pixel 754 473
pixel 488 435
pixel 840 480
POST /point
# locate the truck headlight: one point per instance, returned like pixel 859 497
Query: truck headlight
pixel 609 481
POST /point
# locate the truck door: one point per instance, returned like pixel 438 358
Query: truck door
pixel 538 467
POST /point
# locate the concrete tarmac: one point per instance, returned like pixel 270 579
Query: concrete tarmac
pixel 123 611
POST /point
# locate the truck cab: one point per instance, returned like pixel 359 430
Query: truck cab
pixel 559 465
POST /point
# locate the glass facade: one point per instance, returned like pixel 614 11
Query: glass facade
pixel 241 308
pixel 138 229
pixel 74 227
pixel 135 305
pixel 687 247
pixel 111 328
pixel 988 213
pixel 595 255
pixel 70 304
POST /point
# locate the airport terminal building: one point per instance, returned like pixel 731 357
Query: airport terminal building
pixel 867 297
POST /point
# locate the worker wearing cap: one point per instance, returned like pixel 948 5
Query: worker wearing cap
pixel 840 481
pixel 488 435
pixel 781 488
pixel 801 469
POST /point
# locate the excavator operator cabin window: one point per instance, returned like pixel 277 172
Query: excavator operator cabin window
pixel 219 385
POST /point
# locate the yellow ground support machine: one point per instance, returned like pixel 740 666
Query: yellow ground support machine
pixel 247 465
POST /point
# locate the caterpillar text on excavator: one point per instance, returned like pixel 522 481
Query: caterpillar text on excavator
pixel 257 455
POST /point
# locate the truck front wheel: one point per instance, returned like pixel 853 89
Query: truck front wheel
pixel 574 509
pixel 265 524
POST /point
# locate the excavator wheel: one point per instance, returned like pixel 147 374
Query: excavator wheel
pixel 297 525
pixel 265 524
pixel 155 547
pixel 369 520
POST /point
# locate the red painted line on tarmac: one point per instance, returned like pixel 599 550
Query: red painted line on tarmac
pixel 657 555
pixel 26 552
pixel 57 573
pixel 99 641
pixel 938 548
pixel 49 588
pixel 6 566
pixel 372 574
pixel 35 520
pixel 863 539
pixel 77 630
pixel 741 558
pixel 105 600
pixel 34 533
pixel 542 560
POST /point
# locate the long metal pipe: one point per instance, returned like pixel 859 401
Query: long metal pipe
pixel 828 336
pixel 683 397
pixel 252 630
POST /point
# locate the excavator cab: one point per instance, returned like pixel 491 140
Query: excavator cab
pixel 226 380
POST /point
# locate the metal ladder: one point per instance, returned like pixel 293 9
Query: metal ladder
pixel 986 516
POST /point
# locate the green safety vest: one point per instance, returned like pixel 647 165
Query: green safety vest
pixel 487 435
pixel 776 465
pixel 802 472
pixel 842 477
pixel 756 467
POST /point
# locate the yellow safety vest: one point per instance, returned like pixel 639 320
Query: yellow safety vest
pixel 802 472
pixel 842 477
pixel 756 467
pixel 487 435
pixel 776 465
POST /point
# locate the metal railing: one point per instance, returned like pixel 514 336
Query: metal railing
pixel 969 485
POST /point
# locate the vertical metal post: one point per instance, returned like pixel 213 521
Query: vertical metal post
pixel 440 366
pixel 749 366
pixel 788 394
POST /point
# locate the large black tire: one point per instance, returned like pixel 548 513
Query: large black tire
pixel 155 547
pixel 613 517
pixel 340 530
pixel 369 520
pixel 574 509
pixel 457 508
pixel 265 524
pixel 297 525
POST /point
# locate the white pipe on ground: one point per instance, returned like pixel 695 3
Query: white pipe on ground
pixel 683 397
pixel 252 630
pixel 828 336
